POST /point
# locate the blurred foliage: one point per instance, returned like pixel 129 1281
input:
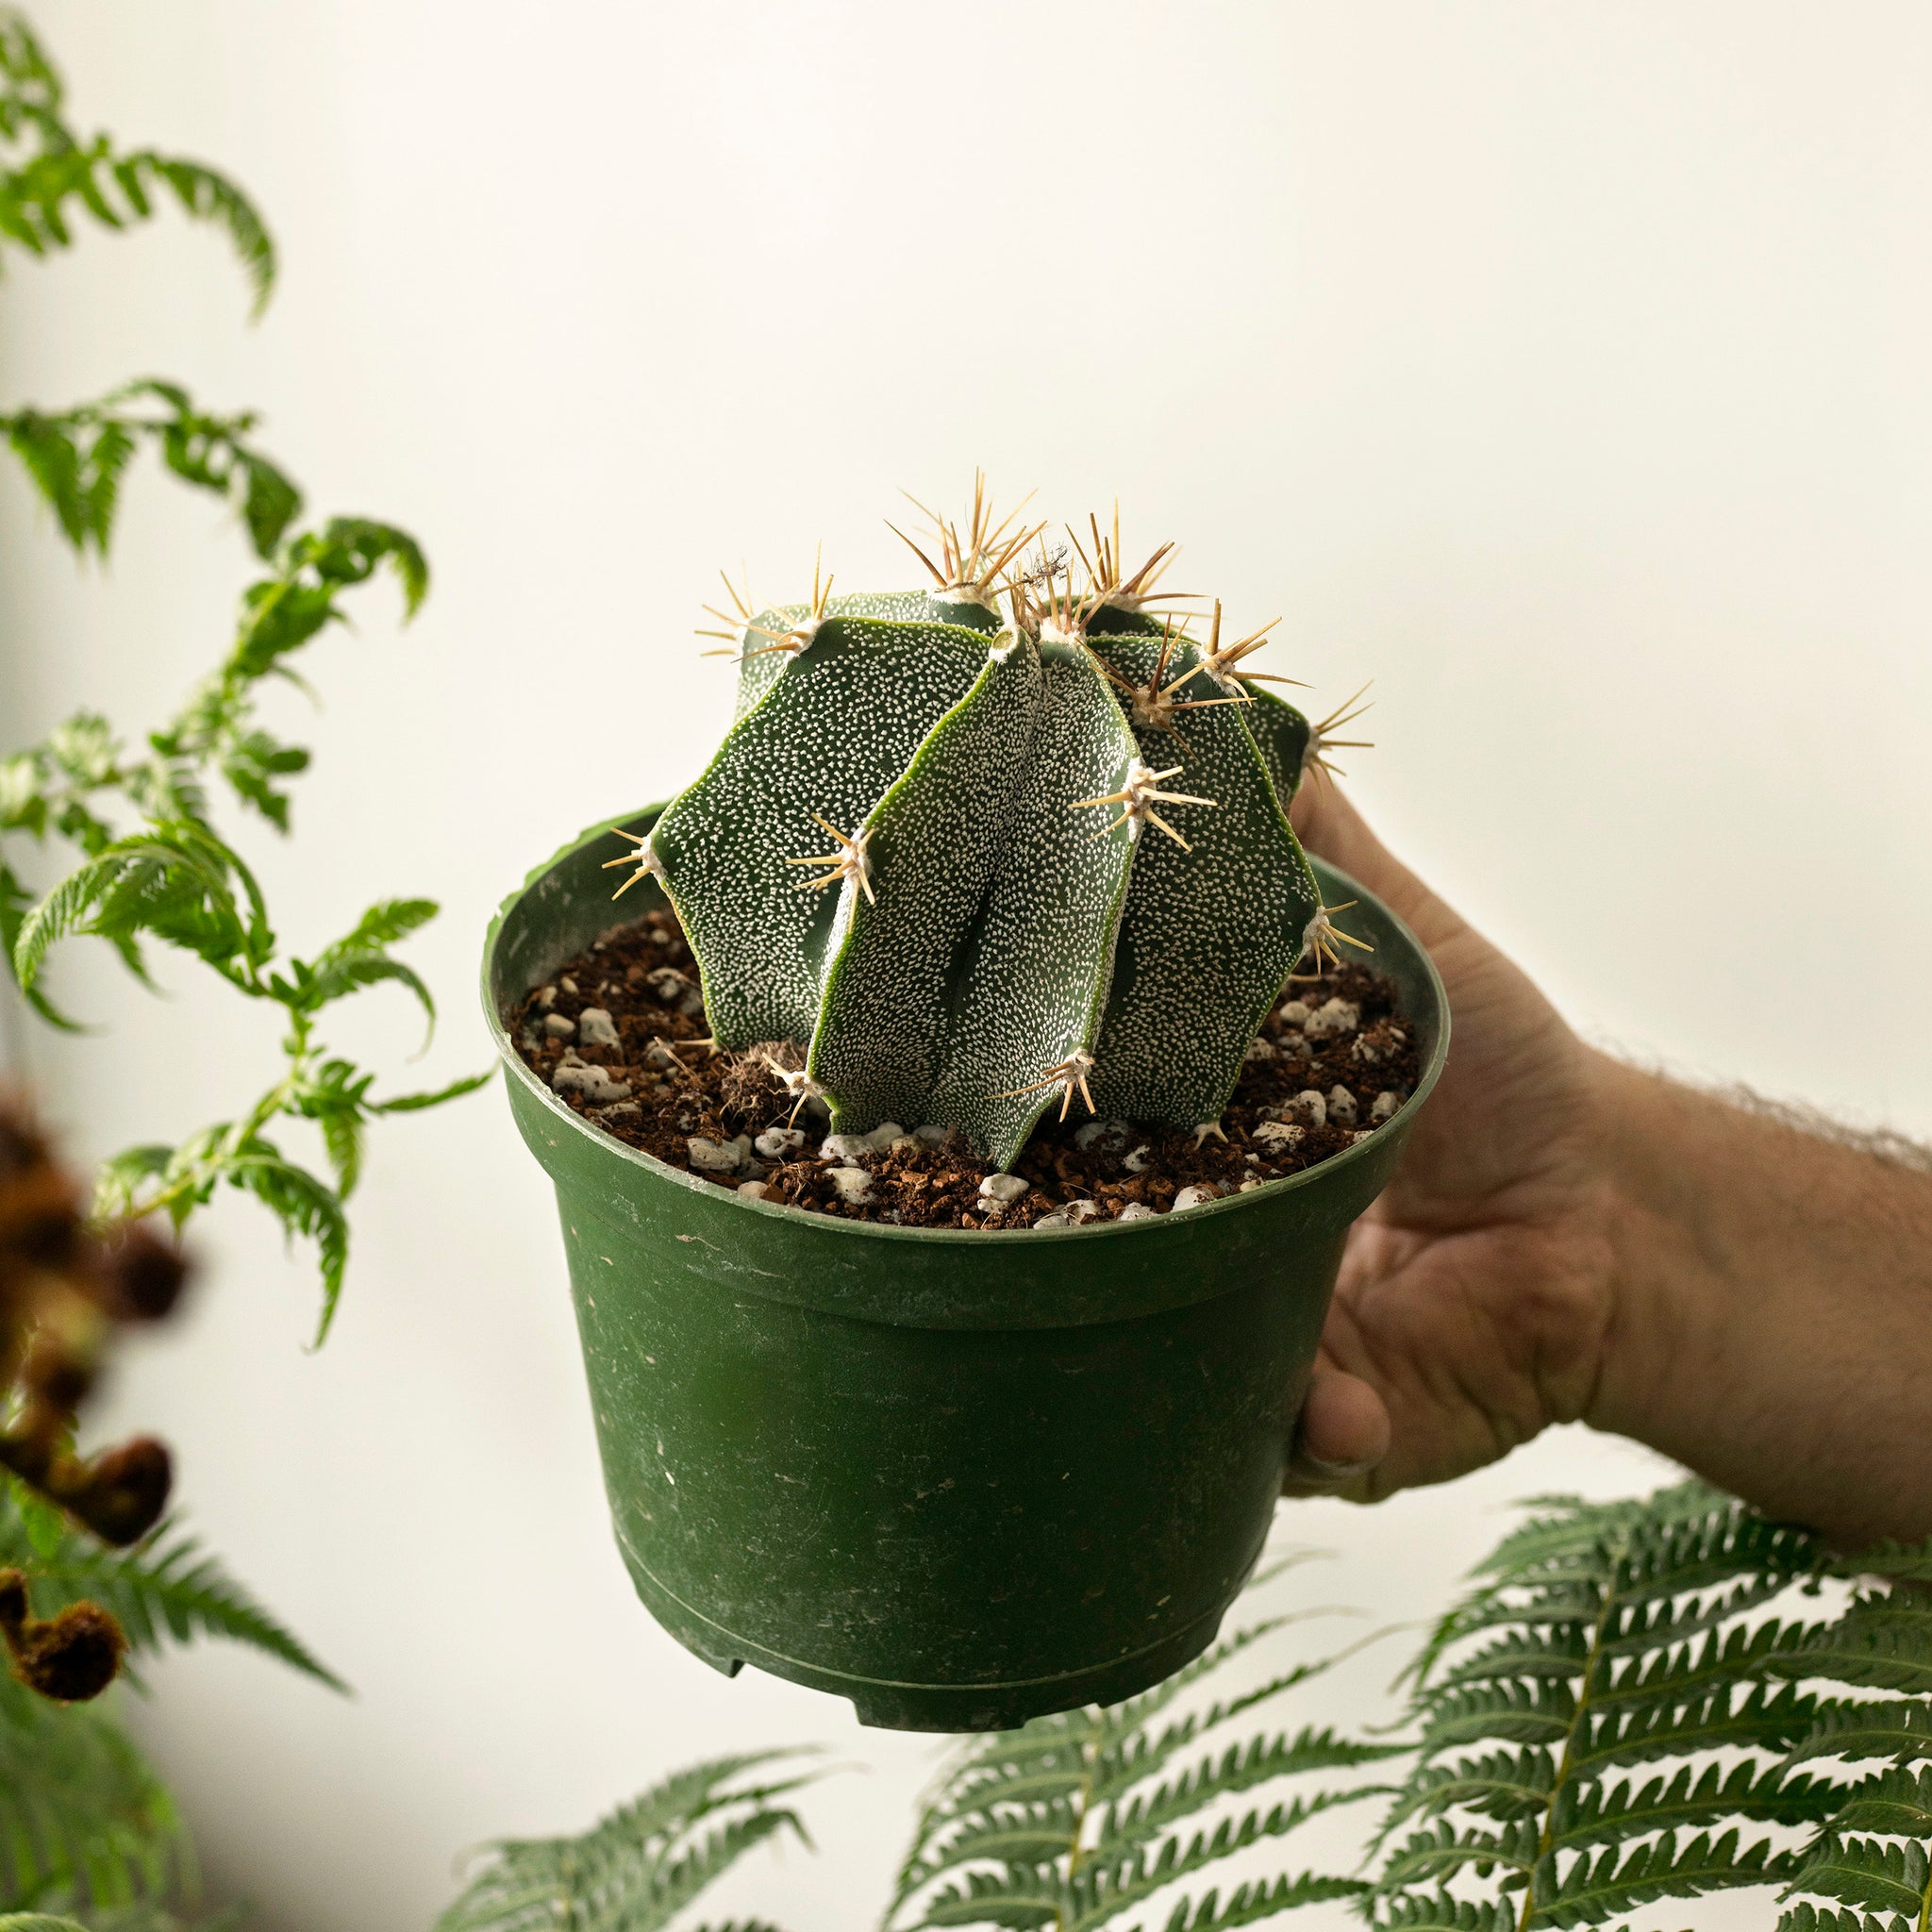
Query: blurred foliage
pixel 151 866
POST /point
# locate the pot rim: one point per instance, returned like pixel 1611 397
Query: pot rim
pixel 1321 1172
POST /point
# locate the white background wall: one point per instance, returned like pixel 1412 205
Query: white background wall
pixel 1562 367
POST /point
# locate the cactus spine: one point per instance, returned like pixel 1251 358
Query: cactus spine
pixel 995 847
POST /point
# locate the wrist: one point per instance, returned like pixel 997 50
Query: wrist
pixel 1669 1265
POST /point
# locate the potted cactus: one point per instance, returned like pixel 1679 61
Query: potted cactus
pixel 1001 860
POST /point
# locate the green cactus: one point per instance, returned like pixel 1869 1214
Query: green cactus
pixel 937 849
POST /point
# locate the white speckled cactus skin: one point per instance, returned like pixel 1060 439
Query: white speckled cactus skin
pixel 981 854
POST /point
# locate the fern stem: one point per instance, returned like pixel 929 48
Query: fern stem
pixel 1089 1752
pixel 1592 1658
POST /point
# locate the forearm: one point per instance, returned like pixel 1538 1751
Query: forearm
pixel 1772 1322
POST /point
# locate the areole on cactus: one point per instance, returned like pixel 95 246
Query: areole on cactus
pixel 997 846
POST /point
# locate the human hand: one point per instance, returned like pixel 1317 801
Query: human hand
pixel 1476 1296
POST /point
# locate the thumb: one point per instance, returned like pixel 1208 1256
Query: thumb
pixel 1329 827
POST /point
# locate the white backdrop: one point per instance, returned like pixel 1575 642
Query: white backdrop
pixel 1561 367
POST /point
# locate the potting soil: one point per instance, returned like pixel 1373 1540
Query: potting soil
pixel 620 1036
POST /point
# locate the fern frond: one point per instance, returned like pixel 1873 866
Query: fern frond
pixel 1891 1729
pixel 1596 1887
pixel 1100 1890
pixel 1437 1853
pixel 1119 1763
pixel 167 1586
pixel 80 1811
pixel 1534 1713
pixel 1139 1821
pixel 64 174
pixel 1264 1898
pixel 1880 1643
pixel 1870 1875
pixel 1502 1785
pixel 1439 1911
pixel 640 1867
pixel 1894 1803
pixel 1810 1918
pixel 1771 1716
pixel 1687 1800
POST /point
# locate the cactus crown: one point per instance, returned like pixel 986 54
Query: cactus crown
pixel 921 850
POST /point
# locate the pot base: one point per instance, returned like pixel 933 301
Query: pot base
pixel 886 1706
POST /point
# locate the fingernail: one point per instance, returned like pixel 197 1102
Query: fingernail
pixel 1332 1472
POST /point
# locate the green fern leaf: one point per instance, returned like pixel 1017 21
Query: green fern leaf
pixel 1597 1886
pixel 81 1811
pixel 1891 1729
pixel 640 1867
pixel 414 1103
pixel 304 1205
pixel 1769 1717
pixel 1690 1799
pixel 1502 1785
pixel 1870 1875
pixel 1879 1644
pixel 206 195
pixel 1098 1892
pixel 1895 1803
pixel 1264 1898
pixel 1435 1855
pixel 1810 1918
pixel 1439 1911
pixel 1537 1713
pixel 165 1587
pixel 1128 1825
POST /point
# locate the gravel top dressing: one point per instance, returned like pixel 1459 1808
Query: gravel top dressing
pixel 620 1034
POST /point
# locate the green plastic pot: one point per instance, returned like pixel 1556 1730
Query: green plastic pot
pixel 963 1478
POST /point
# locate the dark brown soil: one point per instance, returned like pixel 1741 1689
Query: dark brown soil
pixel 678 1090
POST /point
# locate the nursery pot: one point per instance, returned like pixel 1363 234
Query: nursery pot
pixel 962 1477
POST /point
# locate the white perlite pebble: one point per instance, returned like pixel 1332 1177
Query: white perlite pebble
pixel 1248 1186
pixel 752 1190
pixel 1277 1137
pixel 1307 1106
pixel 1262 1050
pixel 1295 1013
pixel 905 1143
pixel 1138 1210
pixel 623 1111
pixel 843 1146
pixel 1342 1107
pixel 667 985
pixel 1294 1047
pixel 1137 1161
pixel 1072 1215
pixel 1384 1103
pixel 884 1135
pixel 1003 1189
pixel 780 1144
pixel 547 997
pixel 854 1185
pixel 558 1028
pixel 1361 1134
pixel 1197 1196
pixel 568 984
pixel 932 1134
pixel 593 1084
pixel 595 1028
pixel 1108 1136
pixel 712 1156
pixel 1332 1016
